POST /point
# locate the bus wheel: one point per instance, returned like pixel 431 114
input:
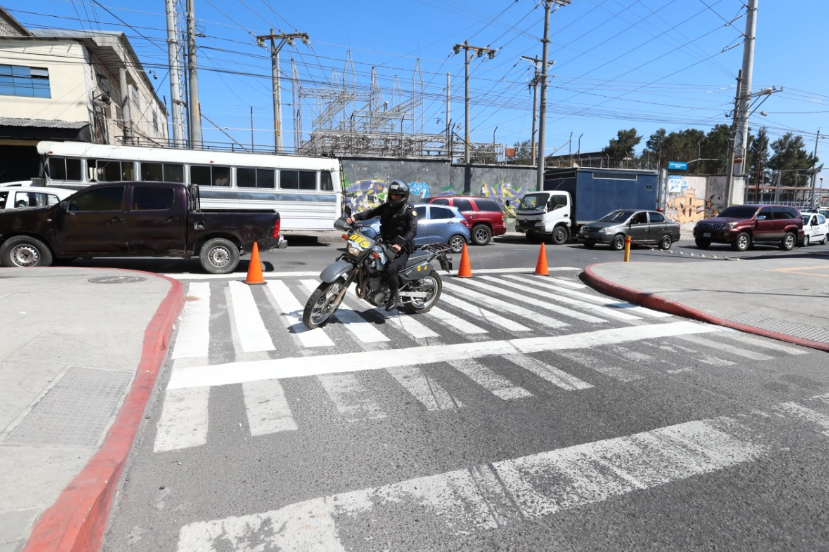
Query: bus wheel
pixel 219 256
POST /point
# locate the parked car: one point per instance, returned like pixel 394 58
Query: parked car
pixel 483 215
pixel 744 225
pixel 643 227
pixel 815 228
pixel 126 219
pixel 31 196
pixel 16 183
pixel 437 224
pixel 824 212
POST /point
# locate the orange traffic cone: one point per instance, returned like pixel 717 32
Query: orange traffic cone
pixel 255 267
pixel 541 265
pixel 465 271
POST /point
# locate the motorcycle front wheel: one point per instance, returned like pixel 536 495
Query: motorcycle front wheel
pixel 322 304
pixel 432 285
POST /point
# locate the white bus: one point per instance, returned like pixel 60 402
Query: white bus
pixel 306 191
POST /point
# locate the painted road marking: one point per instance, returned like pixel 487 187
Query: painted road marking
pixel 806 414
pixel 239 372
pixel 483 314
pixel 725 347
pixel 183 421
pixel 552 374
pixel 599 365
pixel 292 311
pixel 558 309
pixel 765 343
pixel 456 322
pixel 356 324
pixel 406 324
pixel 511 308
pixel 496 384
pixel 599 309
pixel 553 284
pixel 253 335
pixel 193 337
pixel 305 274
pixel 352 399
pixel 267 409
pixel 466 503
pixel 423 388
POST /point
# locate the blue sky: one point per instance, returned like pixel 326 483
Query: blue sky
pixel 619 63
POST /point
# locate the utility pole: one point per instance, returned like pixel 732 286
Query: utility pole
pixel 744 91
pixel 542 109
pixel 283 38
pixel 448 113
pixel 468 52
pixel 732 143
pixel 534 85
pixel 195 110
pixel 814 171
pixel 177 112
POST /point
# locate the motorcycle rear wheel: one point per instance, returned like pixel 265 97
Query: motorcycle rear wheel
pixel 322 304
pixel 433 286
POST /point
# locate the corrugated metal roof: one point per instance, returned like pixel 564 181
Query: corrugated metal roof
pixel 69 33
pixel 41 123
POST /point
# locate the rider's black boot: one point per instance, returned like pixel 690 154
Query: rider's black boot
pixel 393 302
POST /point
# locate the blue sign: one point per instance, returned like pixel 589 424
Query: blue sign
pixel 678 165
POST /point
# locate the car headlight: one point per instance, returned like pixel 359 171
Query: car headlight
pixel 604 230
pixel 731 225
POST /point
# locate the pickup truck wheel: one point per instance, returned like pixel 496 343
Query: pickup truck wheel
pixel 788 242
pixel 25 252
pixel 219 256
pixel 560 235
pixel 618 242
pixel 481 234
pixel 742 242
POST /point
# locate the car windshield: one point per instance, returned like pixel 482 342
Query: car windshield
pixel 738 211
pixel 533 201
pixel 805 218
pixel 616 216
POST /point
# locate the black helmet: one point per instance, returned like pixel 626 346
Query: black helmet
pixel 401 190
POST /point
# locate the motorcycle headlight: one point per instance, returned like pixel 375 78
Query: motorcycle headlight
pixel 353 250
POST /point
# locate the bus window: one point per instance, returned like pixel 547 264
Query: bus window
pixel 325 182
pixel 205 175
pixel 61 168
pixel 111 171
pixel 152 172
pixel 289 180
pixel 245 178
pixel 173 173
pixel 265 178
pixel 307 180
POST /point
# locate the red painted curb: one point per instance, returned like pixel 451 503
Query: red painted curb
pixel 75 523
pixel 655 302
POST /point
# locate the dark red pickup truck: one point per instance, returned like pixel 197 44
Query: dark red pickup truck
pixel 135 219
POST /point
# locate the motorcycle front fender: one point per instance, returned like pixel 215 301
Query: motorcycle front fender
pixel 335 270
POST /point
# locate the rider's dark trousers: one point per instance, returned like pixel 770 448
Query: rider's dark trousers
pixel 392 270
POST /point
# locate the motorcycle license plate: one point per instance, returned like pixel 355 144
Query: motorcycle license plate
pixel 706 234
pixel 359 240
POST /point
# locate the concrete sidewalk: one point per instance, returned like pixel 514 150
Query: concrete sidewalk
pixel 784 298
pixel 79 353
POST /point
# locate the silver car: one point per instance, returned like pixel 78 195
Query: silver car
pixel 437 224
pixel 643 227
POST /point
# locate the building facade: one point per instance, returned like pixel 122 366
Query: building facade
pixel 70 85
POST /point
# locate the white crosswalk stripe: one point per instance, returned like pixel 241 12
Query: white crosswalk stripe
pixel 253 335
pixel 292 310
pixel 604 311
pixel 504 306
pixel 356 324
pixel 193 338
pixel 408 347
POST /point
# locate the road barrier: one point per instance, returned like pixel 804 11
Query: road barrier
pixel 464 271
pixel 541 265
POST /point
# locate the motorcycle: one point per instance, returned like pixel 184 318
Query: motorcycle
pixel 364 263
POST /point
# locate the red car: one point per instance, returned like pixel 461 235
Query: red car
pixel 483 215
pixel 744 225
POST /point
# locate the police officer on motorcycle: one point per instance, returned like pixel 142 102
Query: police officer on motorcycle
pixel 398 227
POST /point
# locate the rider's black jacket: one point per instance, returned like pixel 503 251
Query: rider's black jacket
pixel 398 225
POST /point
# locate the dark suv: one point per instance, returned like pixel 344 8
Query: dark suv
pixel 744 225
pixel 483 215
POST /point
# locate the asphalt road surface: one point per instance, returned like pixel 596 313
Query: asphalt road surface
pixel 523 413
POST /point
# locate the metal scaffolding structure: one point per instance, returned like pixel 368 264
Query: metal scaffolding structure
pixel 349 121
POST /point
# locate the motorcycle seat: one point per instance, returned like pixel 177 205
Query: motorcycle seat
pixel 417 257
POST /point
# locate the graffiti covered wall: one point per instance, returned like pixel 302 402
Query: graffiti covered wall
pixel 365 181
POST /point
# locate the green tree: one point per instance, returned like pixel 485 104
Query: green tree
pixel 715 146
pixel 622 147
pixel 523 153
pixel 792 160
pixel 758 159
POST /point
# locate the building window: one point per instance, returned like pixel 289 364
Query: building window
pixel 30 82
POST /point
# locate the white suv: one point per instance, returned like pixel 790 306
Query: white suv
pixel 815 228
pixel 31 196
